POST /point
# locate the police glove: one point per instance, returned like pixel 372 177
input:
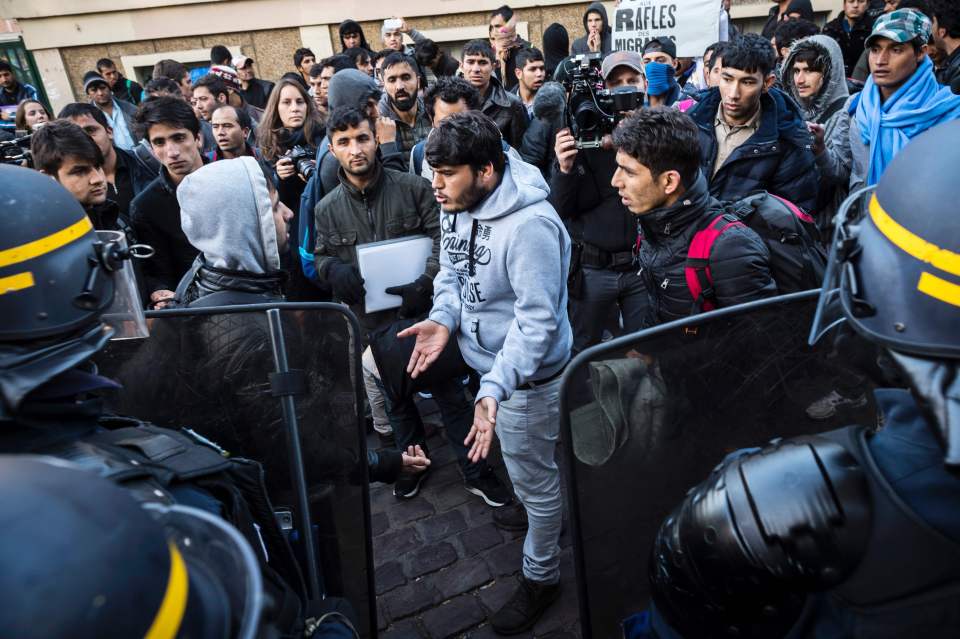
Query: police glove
pixel 417 296
pixel 346 283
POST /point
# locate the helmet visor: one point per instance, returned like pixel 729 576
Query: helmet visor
pixel 125 314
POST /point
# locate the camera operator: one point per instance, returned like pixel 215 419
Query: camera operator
pixel 602 274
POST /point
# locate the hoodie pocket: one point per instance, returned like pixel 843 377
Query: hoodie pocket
pixel 484 342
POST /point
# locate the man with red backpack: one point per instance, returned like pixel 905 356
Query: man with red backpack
pixel 659 180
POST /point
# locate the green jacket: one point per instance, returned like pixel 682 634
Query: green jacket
pixel 396 204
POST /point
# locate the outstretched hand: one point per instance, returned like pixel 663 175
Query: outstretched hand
pixel 432 338
pixel 414 460
pixel 483 430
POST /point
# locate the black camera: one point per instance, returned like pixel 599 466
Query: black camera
pixel 17 151
pixel 305 159
pixel 592 110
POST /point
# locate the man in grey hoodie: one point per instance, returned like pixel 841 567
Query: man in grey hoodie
pixel 502 291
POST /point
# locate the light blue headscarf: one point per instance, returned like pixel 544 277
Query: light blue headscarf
pixel 887 127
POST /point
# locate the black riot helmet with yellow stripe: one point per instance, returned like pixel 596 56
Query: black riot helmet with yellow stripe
pixel 57 278
pixel 894 272
pixel 82 558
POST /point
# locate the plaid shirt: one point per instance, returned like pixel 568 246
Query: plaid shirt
pixel 407 136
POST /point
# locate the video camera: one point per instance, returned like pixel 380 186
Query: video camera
pixel 592 110
pixel 17 150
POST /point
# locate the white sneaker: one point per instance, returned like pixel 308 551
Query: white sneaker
pixel 826 407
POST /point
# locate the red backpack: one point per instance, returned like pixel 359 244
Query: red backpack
pixel 797 257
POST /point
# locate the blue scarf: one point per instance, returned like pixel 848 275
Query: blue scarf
pixel 887 127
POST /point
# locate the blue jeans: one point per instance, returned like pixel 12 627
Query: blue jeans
pixel 528 425
pixel 457 414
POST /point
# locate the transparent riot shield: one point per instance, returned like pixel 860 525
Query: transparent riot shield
pixel 650 414
pixel 279 384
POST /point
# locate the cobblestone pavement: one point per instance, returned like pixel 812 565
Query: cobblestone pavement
pixel 442 566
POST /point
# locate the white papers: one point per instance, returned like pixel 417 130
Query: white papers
pixel 391 263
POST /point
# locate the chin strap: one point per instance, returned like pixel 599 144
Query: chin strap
pixel 936 385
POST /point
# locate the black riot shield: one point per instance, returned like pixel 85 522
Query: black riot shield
pixel 650 414
pixel 279 384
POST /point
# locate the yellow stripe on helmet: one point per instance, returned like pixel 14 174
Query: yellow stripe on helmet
pixel 46 244
pixel 939 288
pixel 16 282
pixel 166 623
pixel 912 244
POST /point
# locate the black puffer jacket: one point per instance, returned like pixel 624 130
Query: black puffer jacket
pixel 777 158
pixel 739 260
pixel 851 42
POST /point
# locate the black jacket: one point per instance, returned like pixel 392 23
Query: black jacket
pixel 851 42
pixel 590 206
pixel 127 90
pixel 739 261
pixel 257 93
pixel 507 111
pixel 776 158
pixel 949 74
pixel 131 179
pixel 155 214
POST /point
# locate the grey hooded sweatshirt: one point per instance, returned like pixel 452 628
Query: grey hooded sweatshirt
pixel 502 285
pixel 226 213
pixel 606 33
pixel 827 108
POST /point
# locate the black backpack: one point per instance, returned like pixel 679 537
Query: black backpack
pixel 797 258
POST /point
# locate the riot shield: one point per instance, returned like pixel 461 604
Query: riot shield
pixel 649 415
pixel 279 384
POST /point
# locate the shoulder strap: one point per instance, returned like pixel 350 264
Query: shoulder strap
pixel 696 270
pixel 417 158
pixel 833 108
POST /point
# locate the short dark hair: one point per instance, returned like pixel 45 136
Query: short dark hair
pixel 347 117
pixel 750 53
pixel 355 55
pixel 220 54
pixel 169 69
pixel 5 66
pixel 79 109
pixel 425 51
pixel 661 139
pixel 399 57
pixel 502 10
pixel 451 90
pixel 339 62
pixel 479 47
pixel 469 138
pixel 710 53
pixel 789 31
pixel 243 118
pixel 947 13
pixel 105 63
pixel 300 54
pixel 174 112
pixel 163 84
pixel 213 84
pixel 57 141
pixel 526 55
pixel 379 55
pixel 923 6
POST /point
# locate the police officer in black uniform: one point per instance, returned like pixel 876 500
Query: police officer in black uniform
pixel 56 282
pixel 851 533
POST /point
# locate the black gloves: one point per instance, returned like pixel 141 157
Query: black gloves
pixel 417 296
pixel 346 282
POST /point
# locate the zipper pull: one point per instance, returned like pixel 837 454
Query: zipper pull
pixel 665 283
pixel 640 272
pixel 666 229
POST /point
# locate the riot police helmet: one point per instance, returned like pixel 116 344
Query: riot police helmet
pixel 82 558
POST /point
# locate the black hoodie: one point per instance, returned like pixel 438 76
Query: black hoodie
pixel 352 26
pixel 606 40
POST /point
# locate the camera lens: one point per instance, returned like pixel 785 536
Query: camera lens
pixel 587 117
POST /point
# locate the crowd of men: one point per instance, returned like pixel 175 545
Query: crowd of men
pixel 542 246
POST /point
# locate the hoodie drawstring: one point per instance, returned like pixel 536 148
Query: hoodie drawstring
pixel 473 243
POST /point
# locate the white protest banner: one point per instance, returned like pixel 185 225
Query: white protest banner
pixel 692 24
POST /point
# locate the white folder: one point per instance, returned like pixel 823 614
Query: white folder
pixel 391 263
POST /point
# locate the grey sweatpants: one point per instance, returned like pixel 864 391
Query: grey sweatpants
pixel 528 425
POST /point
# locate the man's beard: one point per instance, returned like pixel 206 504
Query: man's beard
pixel 365 172
pixel 472 196
pixel 403 104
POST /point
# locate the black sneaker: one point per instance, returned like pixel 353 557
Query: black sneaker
pixel 489 488
pixel 513 518
pixel 525 607
pixel 407 486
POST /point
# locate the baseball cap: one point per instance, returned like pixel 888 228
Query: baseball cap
pixel 228 75
pixel 902 25
pixel 666 45
pixel 616 59
pixel 241 61
pixel 91 78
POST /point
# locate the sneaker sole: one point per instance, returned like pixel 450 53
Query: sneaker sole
pixel 479 493
pixel 531 622
pixel 413 493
